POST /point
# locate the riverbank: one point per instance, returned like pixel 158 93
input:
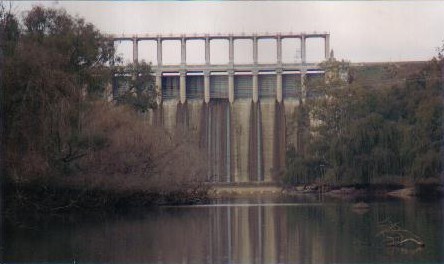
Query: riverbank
pixel 244 191
pixel 424 191
pixel 61 199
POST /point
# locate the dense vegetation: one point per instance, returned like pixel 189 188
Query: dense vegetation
pixel 59 129
pixel 380 124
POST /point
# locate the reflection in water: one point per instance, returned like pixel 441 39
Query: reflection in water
pixel 234 233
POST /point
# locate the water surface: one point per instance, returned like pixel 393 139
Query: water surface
pixel 233 231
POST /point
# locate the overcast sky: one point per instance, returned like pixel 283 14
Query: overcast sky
pixel 360 31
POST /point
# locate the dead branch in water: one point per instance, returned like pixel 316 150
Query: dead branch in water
pixel 395 236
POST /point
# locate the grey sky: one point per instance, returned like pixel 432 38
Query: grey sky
pixel 360 31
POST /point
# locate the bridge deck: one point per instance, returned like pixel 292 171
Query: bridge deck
pixel 236 67
pixel 130 37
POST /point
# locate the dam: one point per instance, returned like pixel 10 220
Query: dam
pixel 241 113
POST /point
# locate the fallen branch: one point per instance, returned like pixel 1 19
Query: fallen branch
pixel 402 242
pixel 395 236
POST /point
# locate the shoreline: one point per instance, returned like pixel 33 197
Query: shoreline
pixel 59 200
pixel 35 199
pixel 421 191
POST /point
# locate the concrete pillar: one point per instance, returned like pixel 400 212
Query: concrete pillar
pixel 159 51
pixel 255 72
pixel 279 49
pixel 327 46
pixel 303 53
pixel 255 54
pixel 135 50
pixel 207 86
pixel 303 84
pixel 207 50
pixel 183 90
pixel 231 86
pixel 255 86
pixel 231 51
pixel 183 52
pixel 303 69
pixel 279 85
pixel 159 86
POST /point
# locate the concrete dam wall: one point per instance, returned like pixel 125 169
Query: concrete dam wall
pixel 242 114
pixel 245 141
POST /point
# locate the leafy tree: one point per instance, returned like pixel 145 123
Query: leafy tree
pixel 139 86
pixel 368 133
pixel 65 146
pixel 9 30
pixel 51 68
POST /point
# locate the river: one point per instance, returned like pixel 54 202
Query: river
pixel 275 230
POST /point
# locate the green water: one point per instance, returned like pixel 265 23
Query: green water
pixel 297 230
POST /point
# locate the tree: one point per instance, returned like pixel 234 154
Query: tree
pixel 376 132
pixel 51 69
pixel 139 86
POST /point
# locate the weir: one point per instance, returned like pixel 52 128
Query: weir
pixel 240 112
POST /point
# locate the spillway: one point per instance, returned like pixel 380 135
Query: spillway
pixel 244 141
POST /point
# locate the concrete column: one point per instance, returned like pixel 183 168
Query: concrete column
pixel 159 51
pixel 303 84
pixel 327 46
pixel 207 86
pixel 183 53
pixel 279 49
pixel 279 85
pixel 183 91
pixel 231 86
pixel 303 70
pixel 159 86
pixel 231 51
pixel 135 50
pixel 303 53
pixel 207 50
pixel 255 55
pixel 255 86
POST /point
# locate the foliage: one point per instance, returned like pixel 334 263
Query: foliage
pixel 139 90
pixel 60 131
pixel 53 64
pixel 336 72
pixel 362 133
pixel 134 154
pixel 9 30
